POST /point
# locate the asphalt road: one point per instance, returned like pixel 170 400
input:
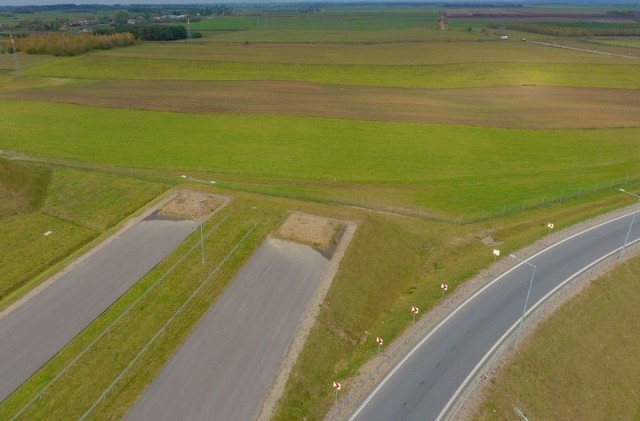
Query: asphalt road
pixel 224 369
pixel 35 331
pixel 421 387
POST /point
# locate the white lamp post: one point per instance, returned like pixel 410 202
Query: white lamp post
pixel 624 246
pixel 526 301
pixel 199 210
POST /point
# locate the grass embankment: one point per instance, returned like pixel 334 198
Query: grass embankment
pixel 22 187
pixel 75 206
pixel 582 363
pixel 372 295
pixel 394 163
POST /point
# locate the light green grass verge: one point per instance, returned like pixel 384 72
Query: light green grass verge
pixel 25 251
pixel 449 170
pixel 582 363
pixel 458 75
pixel 96 201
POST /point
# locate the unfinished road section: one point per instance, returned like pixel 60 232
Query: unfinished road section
pixel 37 329
pixel 234 364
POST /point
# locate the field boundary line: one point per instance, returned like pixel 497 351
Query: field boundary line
pixel 108 329
pixel 163 328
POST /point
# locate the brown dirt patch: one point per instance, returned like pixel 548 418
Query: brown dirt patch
pixel 308 229
pixel 186 205
pixel 534 107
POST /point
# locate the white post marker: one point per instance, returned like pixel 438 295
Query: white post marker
pixel 199 210
pixel 379 341
pixel 415 311
pixel 336 386
pixel 550 227
pixel 496 253
pixel 444 287
pixel 626 240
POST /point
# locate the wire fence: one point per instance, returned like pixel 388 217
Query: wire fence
pixel 347 195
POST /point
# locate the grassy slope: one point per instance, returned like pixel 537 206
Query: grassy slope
pixel 582 362
pixel 423 166
pixel 96 201
pixel 25 252
pixel 76 206
pixel 22 188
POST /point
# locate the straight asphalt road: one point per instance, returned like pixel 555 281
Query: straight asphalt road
pixel 224 369
pixel 32 333
pixel 423 386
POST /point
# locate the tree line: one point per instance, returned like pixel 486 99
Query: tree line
pixel 65 44
pixel 572 31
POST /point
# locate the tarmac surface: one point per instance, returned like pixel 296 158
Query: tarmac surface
pixel 427 381
pixel 35 331
pixel 225 368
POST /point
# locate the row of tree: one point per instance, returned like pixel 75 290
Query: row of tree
pixel 65 44
pixel 151 32
pixel 569 31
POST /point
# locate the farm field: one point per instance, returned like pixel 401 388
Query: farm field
pixel 309 112
pixel 424 165
pixel 576 365
pixel 545 108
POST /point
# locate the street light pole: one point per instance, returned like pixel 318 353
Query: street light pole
pixel 526 301
pixel 199 210
pixel 633 218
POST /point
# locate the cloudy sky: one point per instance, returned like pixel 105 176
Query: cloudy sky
pixel 126 2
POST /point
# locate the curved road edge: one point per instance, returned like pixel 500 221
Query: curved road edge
pixel 373 373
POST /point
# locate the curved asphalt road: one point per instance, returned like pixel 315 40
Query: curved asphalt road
pixel 422 386
pixel 31 334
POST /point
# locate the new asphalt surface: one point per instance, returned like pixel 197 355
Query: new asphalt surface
pixel 32 333
pixel 422 387
pixel 224 369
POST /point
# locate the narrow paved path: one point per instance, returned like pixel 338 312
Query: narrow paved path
pixel 32 333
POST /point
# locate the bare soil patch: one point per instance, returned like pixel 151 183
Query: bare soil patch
pixel 311 230
pixel 189 204
pixel 535 107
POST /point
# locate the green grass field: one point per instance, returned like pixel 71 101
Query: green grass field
pixel 425 165
pixel 448 171
pixel 580 364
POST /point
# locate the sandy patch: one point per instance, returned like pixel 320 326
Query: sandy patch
pixel 311 230
pixel 186 205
